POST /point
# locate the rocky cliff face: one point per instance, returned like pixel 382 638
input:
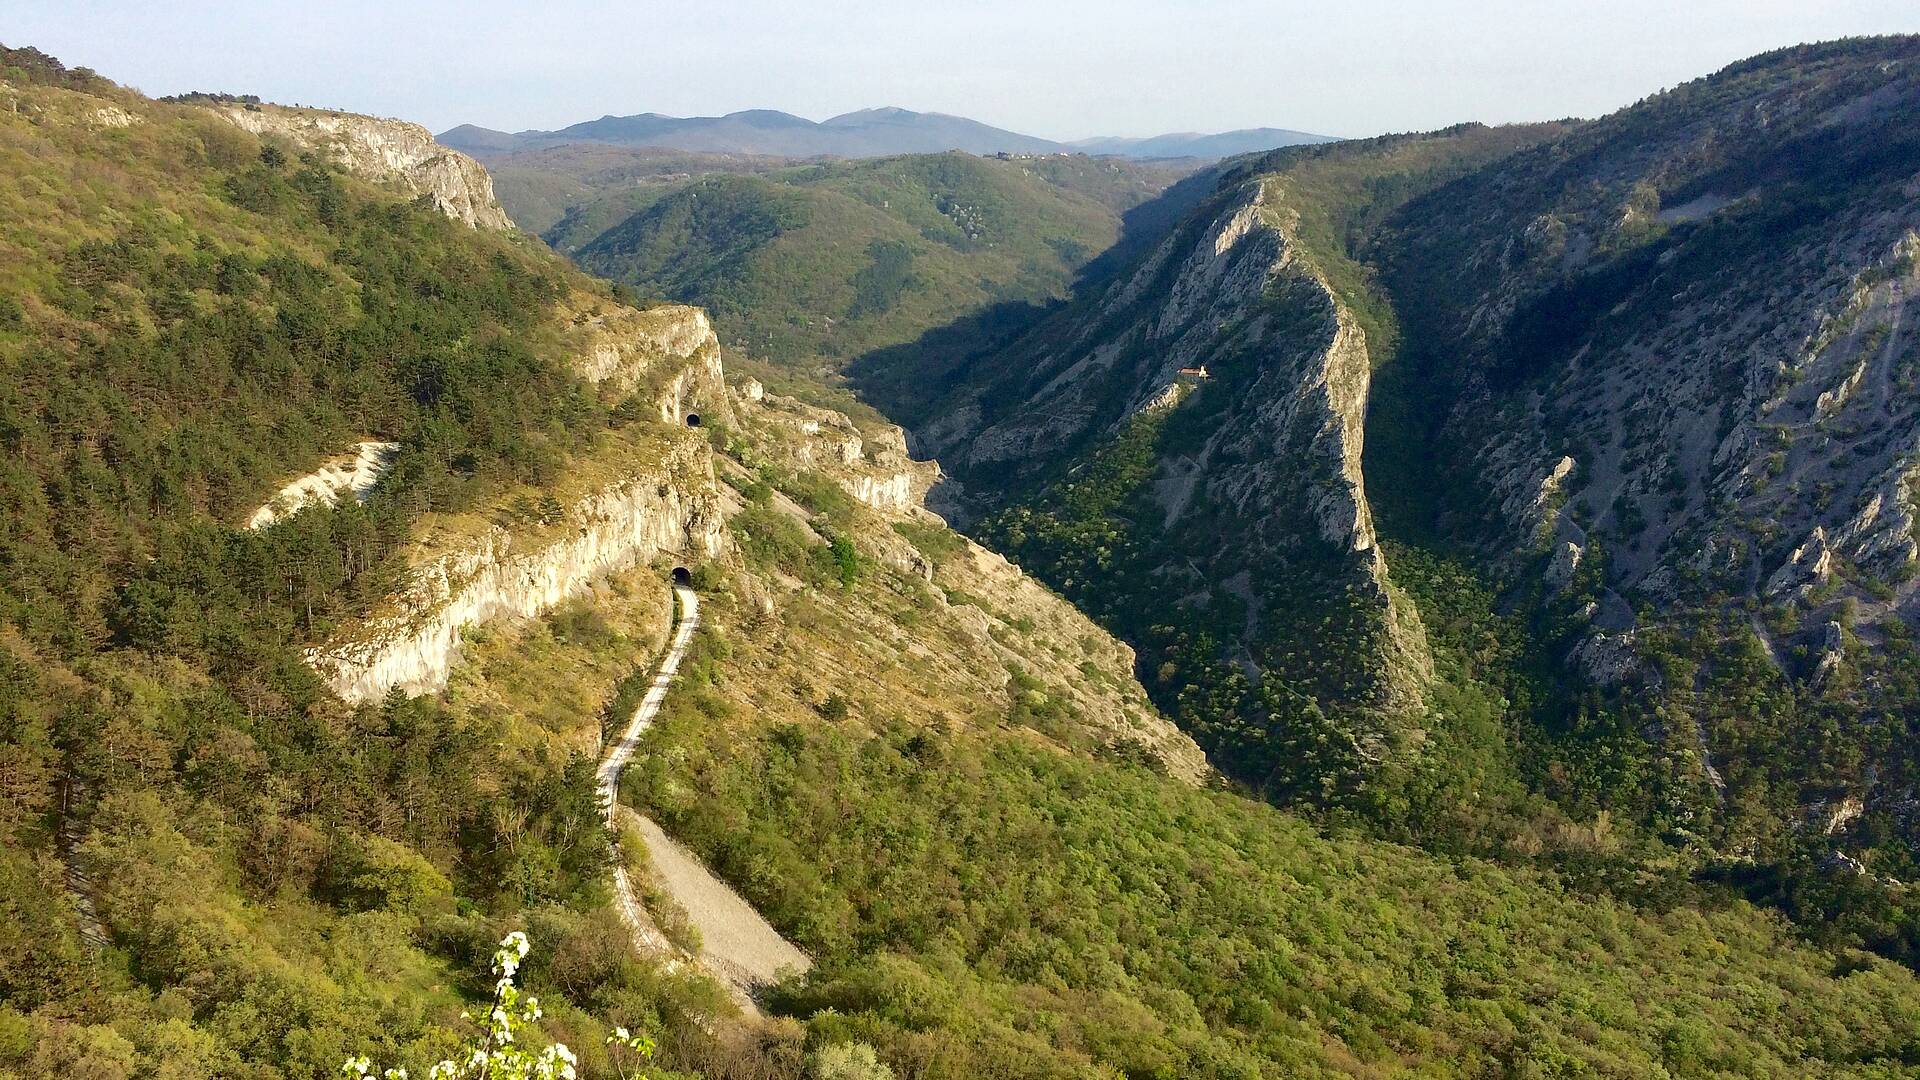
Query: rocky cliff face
pixel 668 355
pixel 664 501
pixel 1637 367
pixel 873 467
pixel 617 348
pixel 664 506
pixel 1686 333
pixel 383 151
pixel 1667 379
pixel 1257 480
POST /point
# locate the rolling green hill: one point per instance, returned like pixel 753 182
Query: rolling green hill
pixel 594 186
pixel 837 259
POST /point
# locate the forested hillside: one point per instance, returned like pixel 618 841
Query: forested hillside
pixel 821 262
pixel 212 865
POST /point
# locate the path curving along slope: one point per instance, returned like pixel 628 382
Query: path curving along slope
pixel 737 946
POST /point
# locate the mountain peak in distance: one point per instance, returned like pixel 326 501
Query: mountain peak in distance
pixel 875 132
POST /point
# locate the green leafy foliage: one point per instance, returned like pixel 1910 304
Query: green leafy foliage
pixel 836 259
pixel 986 907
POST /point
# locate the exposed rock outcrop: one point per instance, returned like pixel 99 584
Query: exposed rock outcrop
pixel 352 474
pixel 1607 659
pixel 670 356
pixel 1841 814
pixel 383 151
pixel 1807 567
pixel 1833 652
pixel 620 348
pixel 112 116
pixel 1278 473
pixel 894 493
pixel 874 468
pixel 1565 562
pixel 665 506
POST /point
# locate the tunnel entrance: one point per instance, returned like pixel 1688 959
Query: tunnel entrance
pixel 693 419
pixel 682 576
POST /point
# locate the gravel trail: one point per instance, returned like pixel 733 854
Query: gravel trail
pixel 736 945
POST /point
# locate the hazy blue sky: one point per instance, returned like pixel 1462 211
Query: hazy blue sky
pixel 1057 68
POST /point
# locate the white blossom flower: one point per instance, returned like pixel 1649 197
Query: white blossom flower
pixel 497 1057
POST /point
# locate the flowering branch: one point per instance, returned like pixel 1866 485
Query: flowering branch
pixel 497 1056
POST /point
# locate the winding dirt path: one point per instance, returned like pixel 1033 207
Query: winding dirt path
pixel 736 945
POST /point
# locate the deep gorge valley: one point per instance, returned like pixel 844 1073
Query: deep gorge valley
pixel 1440 604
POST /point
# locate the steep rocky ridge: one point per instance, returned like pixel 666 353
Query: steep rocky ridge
pixel 1649 379
pixel 1243 303
pixel 643 494
pixel 1682 329
pixel 1233 356
pixel 1662 370
pixel 383 151
pixel 954 628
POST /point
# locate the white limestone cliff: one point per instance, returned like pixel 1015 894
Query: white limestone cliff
pixel 668 502
pixel 874 468
pixel 383 151
pixel 669 354
pixel 352 474
pixel 670 507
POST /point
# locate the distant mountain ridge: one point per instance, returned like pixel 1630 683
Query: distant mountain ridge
pixel 1196 144
pixel 867 133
